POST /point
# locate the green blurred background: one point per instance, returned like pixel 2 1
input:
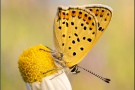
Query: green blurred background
pixel 28 23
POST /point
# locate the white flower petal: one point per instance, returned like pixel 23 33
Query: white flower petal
pixel 28 86
pixel 58 81
pixel 48 83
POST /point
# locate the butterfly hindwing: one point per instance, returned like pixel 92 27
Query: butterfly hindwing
pixel 103 14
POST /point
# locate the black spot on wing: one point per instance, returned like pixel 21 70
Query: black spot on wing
pixel 81 48
pixel 89 39
pixel 74 53
pixel 73 41
pixel 69 48
pixel 72 23
pixel 59 27
pixel 78 39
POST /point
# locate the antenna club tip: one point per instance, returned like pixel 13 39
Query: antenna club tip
pixel 107 80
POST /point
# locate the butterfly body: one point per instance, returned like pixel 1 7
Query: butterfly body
pixel 77 29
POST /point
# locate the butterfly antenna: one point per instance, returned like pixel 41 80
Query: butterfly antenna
pixel 102 78
pixel 47 51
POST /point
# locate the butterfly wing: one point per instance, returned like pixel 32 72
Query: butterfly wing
pixel 75 32
pixel 103 14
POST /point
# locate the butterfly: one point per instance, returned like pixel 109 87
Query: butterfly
pixel 76 30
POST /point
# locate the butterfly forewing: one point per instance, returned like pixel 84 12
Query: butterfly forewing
pixel 74 33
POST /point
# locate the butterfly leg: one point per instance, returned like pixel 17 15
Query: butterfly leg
pixel 60 68
pixel 53 69
pixel 56 75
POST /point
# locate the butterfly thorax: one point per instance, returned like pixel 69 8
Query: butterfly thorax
pixel 59 59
